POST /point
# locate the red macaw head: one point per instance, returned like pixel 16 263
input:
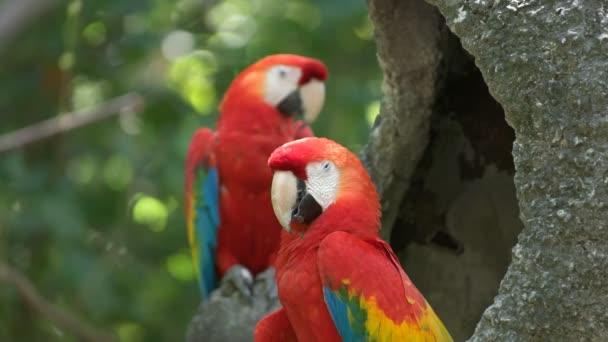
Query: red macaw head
pixel 291 84
pixel 318 179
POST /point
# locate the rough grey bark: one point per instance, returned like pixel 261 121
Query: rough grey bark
pixel 463 188
pixel 546 63
pixel 457 191
pixel 228 316
pixel 400 134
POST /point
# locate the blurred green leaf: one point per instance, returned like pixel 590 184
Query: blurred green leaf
pixel 151 212
pixel 180 266
pixel 190 75
pixel 130 332
pixel 372 111
pixel 95 33
pixel 118 172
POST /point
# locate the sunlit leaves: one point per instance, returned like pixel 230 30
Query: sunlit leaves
pixel 130 123
pixel 365 30
pixel 233 23
pixel 177 44
pixel 226 9
pixel 118 172
pixel 372 111
pixel 73 8
pixel 66 61
pixel 95 33
pixel 180 266
pixel 304 13
pixel 87 93
pixel 236 31
pixel 191 76
pixel 130 332
pixel 81 170
pixel 134 24
pixel 150 211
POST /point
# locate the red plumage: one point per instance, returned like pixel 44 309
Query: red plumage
pixel 247 131
pixel 337 279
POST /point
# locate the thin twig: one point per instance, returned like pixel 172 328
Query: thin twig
pixel 53 313
pixel 69 121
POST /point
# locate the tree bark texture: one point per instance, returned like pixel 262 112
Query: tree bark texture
pixel 546 63
pixel 228 316
pixel 451 213
pixel 409 38
pixel 459 220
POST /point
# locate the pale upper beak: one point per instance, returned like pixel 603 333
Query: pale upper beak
pixel 313 97
pixel 284 194
pixel 292 202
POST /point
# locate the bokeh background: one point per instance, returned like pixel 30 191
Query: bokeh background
pixel 94 217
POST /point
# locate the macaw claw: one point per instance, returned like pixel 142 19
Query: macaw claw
pixel 239 277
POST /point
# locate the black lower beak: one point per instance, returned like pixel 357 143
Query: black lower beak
pixel 307 209
pixel 291 105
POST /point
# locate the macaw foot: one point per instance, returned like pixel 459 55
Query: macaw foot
pixel 240 278
pixel 265 284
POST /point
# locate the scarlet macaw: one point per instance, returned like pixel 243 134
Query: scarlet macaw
pixel 232 230
pixel 337 280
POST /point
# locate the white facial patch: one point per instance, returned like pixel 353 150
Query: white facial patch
pixel 323 181
pixel 313 96
pixel 281 80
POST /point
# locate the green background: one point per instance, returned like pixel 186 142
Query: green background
pixel 94 218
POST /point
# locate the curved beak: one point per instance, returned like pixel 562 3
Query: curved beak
pixel 313 97
pixel 306 100
pixel 284 196
pixel 291 201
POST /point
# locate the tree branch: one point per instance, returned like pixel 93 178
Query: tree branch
pixel 69 121
pixel 53 313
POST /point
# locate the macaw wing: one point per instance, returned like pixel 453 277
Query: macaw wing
pixel 202 207
pixel 368 295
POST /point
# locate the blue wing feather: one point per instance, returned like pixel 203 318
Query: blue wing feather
pixel 211 193
pixel 339 305
pixel 206 225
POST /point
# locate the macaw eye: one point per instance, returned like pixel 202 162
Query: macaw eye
pixel 282 72
pixel 326 166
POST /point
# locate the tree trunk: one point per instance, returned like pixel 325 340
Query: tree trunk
pixel 545 62
pixel 411 84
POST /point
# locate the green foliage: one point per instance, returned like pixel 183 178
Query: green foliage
pixel 95 217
